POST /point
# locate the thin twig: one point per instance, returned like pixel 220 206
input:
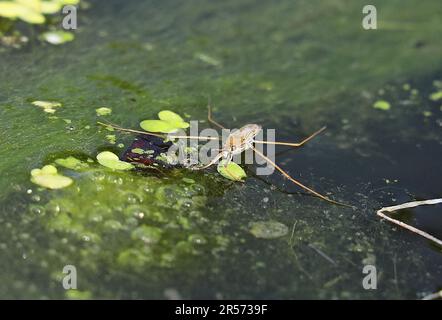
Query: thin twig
pixel 381 213
pixel 433 296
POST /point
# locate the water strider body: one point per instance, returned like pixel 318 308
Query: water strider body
pixel 239 141
pixel 236 143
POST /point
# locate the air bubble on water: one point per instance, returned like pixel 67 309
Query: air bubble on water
pixel 197 188
pixel 197 239
pixel 37 210
pixel 96 218
pixel 29 191
pixel 132 222
pixel 118 181
pixel 132 198
pixel 98 176
pixel 186 203
pixel 36 198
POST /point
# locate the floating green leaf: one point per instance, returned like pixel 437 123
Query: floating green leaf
pixel 57 37
pixel 32 11
pixel 169 116
pixel 111 160
pixel 158 126
pixel 72 163
pixel 103 111
pixel 382 105
pixel 169 122
pixel 49 178
pixel 435 96
pixel 173 118
pixel 231 171
pixel 268 229
pixel 24 10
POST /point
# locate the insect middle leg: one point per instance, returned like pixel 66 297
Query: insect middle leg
pixel 209 116
pixel 214 160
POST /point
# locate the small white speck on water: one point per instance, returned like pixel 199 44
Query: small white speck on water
pixel 265 199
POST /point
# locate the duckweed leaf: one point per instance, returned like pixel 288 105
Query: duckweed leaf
pixel 169 122
pixel 158 126
pixel 268 229
pixel 110 160
pixel 49 178
pixel 382 105
pixel 58 37
pixel 71 163
pixel 50 7
pixel 169 116
pixel 173 118
pixel 103 111
pixel 10 9
pixel 232 171
pixel 23 11
pixel 435 96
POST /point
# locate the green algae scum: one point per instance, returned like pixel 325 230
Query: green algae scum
pixel 147 229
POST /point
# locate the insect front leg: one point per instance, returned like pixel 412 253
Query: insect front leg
pixel 215 160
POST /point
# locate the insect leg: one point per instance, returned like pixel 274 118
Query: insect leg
pixel 285 174
pixel 209 116
pixel 217 157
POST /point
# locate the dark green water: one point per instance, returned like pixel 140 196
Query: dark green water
pixel 290 65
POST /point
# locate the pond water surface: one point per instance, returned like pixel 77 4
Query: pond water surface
pixel 294 66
